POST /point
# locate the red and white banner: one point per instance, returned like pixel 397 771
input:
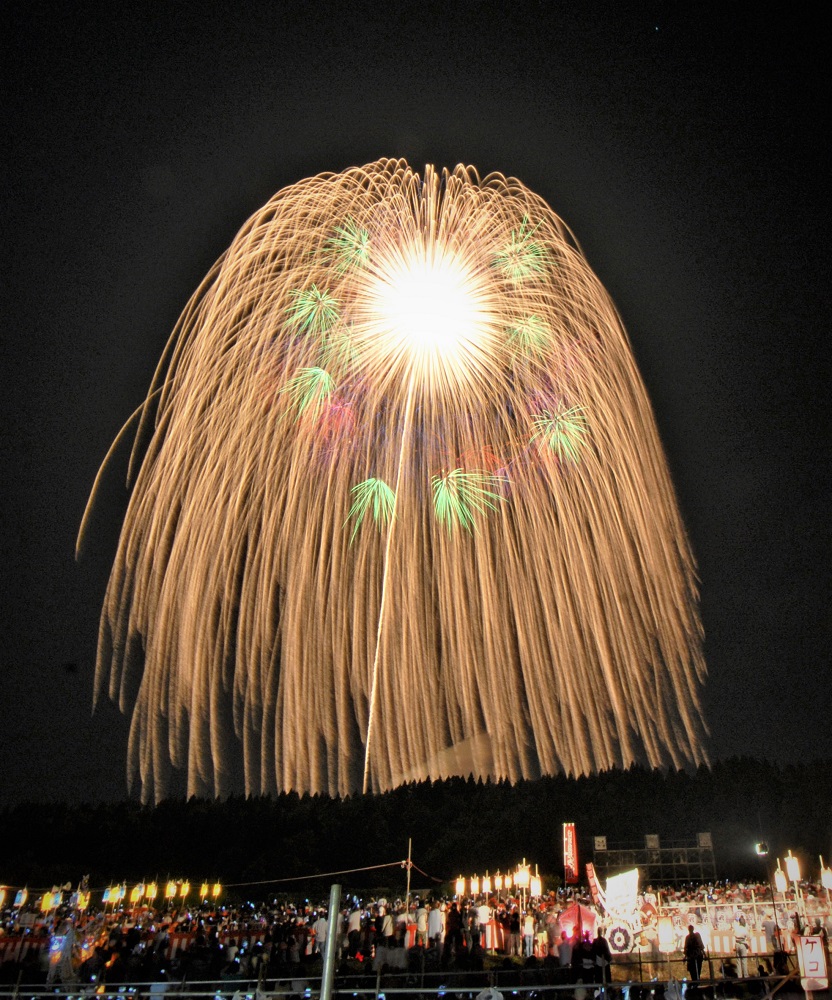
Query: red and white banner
pixel 594 884
pixel 570 854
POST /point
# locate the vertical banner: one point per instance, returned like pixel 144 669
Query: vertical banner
pixel 570 854
pixel 594 885
pixel 811 957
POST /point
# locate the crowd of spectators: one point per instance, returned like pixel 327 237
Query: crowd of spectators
pixel 282 939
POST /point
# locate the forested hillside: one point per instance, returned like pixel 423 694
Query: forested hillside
pixel 455 826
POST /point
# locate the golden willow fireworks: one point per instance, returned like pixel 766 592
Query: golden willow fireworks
pixel 403 512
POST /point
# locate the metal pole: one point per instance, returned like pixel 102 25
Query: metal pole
pixel 407 894
pixel 332 943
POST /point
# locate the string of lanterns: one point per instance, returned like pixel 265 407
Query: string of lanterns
pixel 521 878
pixel 113 895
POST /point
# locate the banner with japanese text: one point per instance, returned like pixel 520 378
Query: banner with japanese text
pixel 811 957
pixel 570 854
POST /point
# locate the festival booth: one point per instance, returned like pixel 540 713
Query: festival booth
pixel 578 920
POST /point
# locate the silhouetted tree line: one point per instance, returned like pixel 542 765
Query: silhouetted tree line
pixel 457 825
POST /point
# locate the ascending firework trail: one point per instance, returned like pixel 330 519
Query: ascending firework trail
pixel 399 509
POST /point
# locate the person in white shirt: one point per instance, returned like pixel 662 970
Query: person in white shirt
pixel 529 923
pixel 436 925
pixel 421 924
pixel 484 915
pixel 321 927
pixel 354 931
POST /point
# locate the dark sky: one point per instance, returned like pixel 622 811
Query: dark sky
pixel 686 146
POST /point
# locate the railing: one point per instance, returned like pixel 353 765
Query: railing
pixel 629 980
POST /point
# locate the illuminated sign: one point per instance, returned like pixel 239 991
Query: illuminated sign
pixel 570 854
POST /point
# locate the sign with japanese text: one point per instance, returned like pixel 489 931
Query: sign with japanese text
pixel 570 854
pixel 811 957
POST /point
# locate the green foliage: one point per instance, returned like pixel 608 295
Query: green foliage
pixel 459 495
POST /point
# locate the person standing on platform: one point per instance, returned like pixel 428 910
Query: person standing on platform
pixel 564 951
pixel 421 924
pixel 388 929
pixel 529 927
pixel 741 948
pixel 694 951
pixel 514 932
pixel 484 924
pixel 436 925
pixel 354 931
pixel 603 957
pixel 453 934
pixel 320 927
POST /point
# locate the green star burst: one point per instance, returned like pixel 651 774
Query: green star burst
pixel 561 430
pixel 310 387
pixel 313 310
pixel 375 494
pixel 523 256
pixel 350 246
pixel 459 495
pixel 530 335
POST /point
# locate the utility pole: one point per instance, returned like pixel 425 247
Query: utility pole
pixel 333 941
pixel 408 865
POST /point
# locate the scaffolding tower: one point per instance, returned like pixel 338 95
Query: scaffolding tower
pixel 672 862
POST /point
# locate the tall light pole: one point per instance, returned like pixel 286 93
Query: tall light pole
pixel 762 853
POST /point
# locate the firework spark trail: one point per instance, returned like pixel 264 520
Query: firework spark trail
pixel 400 507
pixel 408 418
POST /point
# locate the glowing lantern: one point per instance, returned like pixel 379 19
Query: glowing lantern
pixel 825 876
pixel 216 890
pixel 792 868
pixel 667 936
pixel 780 878
pixel 460 886
pixel 107 893
pixel 2 898
pixel 536 884
pixel 83 900
pixel 475 885
pixel 203 890
pixel 184 889
pixel 170 890
pixel 136 893
pixel 121 891
pixel 522 876
pixel 46 902
pixel 152 890
pixel 498 881
pixel 21 897
pixel 486 883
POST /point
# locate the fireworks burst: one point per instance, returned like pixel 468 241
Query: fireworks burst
pixel 403 512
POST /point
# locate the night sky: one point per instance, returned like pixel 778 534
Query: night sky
pixel 686 147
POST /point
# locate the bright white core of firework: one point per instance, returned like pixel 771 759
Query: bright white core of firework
pixel 429 310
